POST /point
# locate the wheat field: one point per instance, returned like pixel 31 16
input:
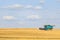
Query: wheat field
pixel 28 34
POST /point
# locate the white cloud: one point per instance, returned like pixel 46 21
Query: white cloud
pixel 42 1
pixel 37 7
pixel 8 17
pixel 14 6
pixel 17 6
pixel 33 17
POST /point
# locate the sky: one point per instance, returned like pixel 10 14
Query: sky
pixel 29 13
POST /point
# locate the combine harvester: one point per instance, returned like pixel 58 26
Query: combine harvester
pixel 47 27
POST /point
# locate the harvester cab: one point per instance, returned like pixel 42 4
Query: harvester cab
pixel 47 27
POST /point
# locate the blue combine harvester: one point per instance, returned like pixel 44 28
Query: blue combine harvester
pixel 47 27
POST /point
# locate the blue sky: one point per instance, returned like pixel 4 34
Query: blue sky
pixel 29 13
